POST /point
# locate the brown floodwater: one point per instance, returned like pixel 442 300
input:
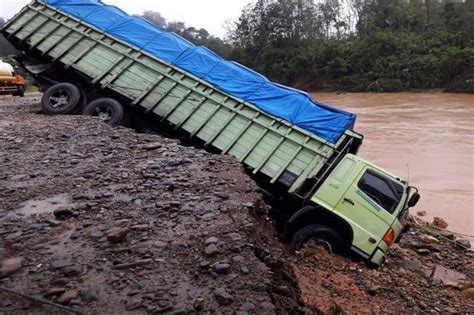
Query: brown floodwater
pixel 426 137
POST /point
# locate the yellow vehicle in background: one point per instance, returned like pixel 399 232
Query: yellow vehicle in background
pixel 11 83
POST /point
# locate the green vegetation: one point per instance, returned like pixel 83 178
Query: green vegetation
pixel 358 44
pixel 354 45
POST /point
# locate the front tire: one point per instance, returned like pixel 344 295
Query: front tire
pixel 60 99
pixel 106 109
pixel 321 235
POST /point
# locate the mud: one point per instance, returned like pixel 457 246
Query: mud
pixel 406 284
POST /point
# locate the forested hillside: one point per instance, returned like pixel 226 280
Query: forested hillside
pixel 359 44
pixel 352 45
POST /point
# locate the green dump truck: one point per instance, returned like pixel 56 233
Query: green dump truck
pixel 92 58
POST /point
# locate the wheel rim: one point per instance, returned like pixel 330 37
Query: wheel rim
pixel 60 98
pixel 324 243
pixel 103 112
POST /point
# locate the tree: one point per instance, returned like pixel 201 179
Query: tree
pixel 194 35
pixel 155 18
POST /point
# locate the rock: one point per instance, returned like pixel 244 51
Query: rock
pixel 222 268
pixel 63 213
pixel 186 161
pixel 67 296
pixel 428 239
pixel 447 276
pixel 91 295
pixel 75 235
pixel 207 217
pixel 422 305
pixel 211 240
pixel 266 306
pixel 374 290
pixel 222 297
pixel 59 264
pixel 55 291
pixel 440 223
pixel 53 223
pixel 204 264
pixel 59 281
pixel 152 146
pixel 423 251
pixel 211 250
pixel 222 195
pixel 469 293
pixel 133 304
pixel 235 237
pixel 71 271
pixel 422 213
pixel 141 227
pixel 199 305
pixel 19 177
pixel 447 234
pixel 248 307
pixel 412 265
pixel 463 243
pixel 244 270
pixel 10 266
pixel 116 235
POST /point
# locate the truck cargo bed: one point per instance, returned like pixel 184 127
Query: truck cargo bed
pixel 269 146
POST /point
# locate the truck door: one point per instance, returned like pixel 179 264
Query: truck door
pixel 365 198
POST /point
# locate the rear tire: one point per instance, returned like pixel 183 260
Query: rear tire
pixel 21 91
pixel 60 99
pixel 320 234
pixel 106 109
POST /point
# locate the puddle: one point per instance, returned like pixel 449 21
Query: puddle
pixel 49 205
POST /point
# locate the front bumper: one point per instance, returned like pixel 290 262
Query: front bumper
pixel 5 90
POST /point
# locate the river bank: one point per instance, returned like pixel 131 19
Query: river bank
pixel 105 220
pixel 463 83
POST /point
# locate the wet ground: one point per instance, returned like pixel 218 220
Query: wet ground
pixel 106 221
pixel 426 137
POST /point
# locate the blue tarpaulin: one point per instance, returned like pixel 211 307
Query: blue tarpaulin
pixel 292 105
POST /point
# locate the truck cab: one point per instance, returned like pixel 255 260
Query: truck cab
pixel 358 206
pixel 11 83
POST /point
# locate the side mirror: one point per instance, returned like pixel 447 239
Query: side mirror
pixel 414 200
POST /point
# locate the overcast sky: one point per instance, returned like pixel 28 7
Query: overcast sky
pixel 209 14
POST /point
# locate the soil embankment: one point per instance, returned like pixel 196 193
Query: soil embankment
pixel 427 272
pixel 109 221
pixel 105 221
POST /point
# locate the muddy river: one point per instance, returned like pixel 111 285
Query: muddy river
pixel 426 137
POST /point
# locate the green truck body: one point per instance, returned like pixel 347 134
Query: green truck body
pixel 287 160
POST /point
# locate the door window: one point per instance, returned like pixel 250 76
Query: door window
pixel 382 190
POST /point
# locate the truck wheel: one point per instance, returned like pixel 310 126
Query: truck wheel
pixel 21 91
pixel 106 109
pixel 61 99
pixel 320 234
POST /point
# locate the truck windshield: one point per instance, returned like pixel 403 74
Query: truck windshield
pixel 384 191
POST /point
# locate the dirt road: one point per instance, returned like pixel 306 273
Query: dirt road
pixel 106 221
pixel 110 221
